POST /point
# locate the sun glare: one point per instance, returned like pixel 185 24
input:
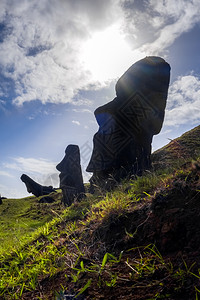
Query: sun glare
pixel 107 55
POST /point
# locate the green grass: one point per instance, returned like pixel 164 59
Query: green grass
pixel 61 246
pixel 40 255
pixel 19 218
pixel 46 251
pixel 40 242
pixel 178 151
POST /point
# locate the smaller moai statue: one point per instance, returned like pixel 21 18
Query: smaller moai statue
pixel 35 188
pixel 71 179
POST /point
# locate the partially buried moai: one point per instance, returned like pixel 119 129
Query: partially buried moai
pixel 35 188
pixel 71 180
pixel 122 145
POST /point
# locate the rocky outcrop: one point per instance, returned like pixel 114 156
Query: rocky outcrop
pixel 122 145
pixel 35 188
pixel 71 180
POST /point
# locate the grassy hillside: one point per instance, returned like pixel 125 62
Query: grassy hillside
pixel 179 150
pixel 140 241
pixel 19 218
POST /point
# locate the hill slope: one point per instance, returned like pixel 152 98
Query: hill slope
pixel 19 218
pixel 184 148
pixel 140 241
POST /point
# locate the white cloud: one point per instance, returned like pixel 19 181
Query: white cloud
pixel 3 106
pixel 184 15
pixel 32 165
pixel 83 110
pixel 159 23
pixel 43 41
pixel 30 118
pixel 42 52
pixel 183 104
pixel 76 122
pixel 41 170
pixel 10 192
pixel 165 132
pixel 4 173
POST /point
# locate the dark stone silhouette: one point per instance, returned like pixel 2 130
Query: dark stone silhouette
pixel 2 198
pixel 46 199
pixel 71 180
pixel 122 145
pixel 35 188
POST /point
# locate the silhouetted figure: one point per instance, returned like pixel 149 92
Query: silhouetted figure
pixel 71 180
pixel 35 188
pixel 122 145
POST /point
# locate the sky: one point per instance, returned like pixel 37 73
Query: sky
pixel 61 59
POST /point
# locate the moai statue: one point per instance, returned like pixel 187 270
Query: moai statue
pixel 122 145
pixel 35 188
pixel 71 180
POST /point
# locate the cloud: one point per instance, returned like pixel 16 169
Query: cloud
pixel 32 165
pixel 83 110
pixel 76 122
pixel 183 104
pixel 41 50
pixel 41 170
pixel 165 132
pixel 156 24
pixel 183 15
pixel 10 192
pixel 2 103
pixel 3 173
pixel 42 42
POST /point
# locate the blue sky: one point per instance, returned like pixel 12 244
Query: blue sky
pixel 60 60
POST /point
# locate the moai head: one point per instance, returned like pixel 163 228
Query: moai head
pixel 122 145
pixel 71 180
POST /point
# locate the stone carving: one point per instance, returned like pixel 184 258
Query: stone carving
pixel 71 180
pixel 35 188
pixel 122 145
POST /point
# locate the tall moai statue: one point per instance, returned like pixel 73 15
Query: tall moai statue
pixel 71 179
pixel 122 145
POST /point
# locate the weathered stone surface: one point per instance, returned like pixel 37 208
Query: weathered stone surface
pixel 122 145
pixel 71 180
pixel 35 188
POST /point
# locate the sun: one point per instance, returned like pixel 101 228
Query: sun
pixel 107 54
